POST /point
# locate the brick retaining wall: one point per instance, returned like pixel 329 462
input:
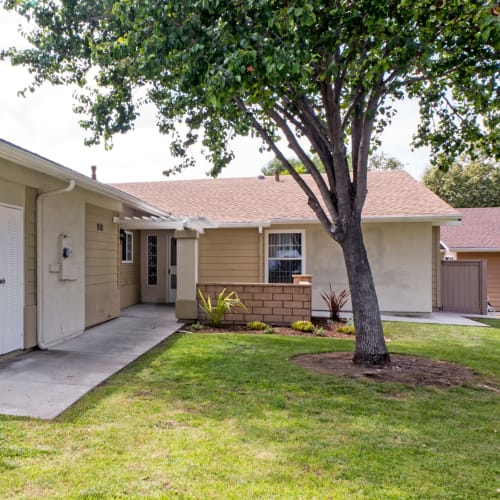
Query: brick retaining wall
pixel 278 304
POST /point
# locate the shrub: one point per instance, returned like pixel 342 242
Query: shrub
pixel 256 325
pixel 226 302
pixel 348 329
pixel 303 326
pixel 335 301
pixel 196 326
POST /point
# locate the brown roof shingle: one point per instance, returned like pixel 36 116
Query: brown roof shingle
pixel 390 194
pixel 480 228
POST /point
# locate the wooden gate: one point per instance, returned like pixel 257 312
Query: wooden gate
pixel 464 286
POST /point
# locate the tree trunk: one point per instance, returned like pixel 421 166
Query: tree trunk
pixel 370 342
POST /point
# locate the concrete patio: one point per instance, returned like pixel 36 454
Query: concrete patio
pixel 43 384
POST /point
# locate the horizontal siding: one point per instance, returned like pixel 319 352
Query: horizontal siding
pixel 493 260
pixel 229 255
pixel 30 247
pixel 30 337
pixel 130 277
pixel 102 294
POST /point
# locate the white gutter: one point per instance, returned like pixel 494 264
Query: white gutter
pixel 479 249
pixel 39 259
pixel 38 163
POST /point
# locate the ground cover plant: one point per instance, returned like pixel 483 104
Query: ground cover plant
pixel 229 415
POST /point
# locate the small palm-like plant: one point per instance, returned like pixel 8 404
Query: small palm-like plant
pixel 335 301
pixel 226 303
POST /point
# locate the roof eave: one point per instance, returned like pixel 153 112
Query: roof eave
pixel 38 163
pixel 437 219
pixel 476 249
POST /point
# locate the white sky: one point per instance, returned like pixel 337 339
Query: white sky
pixel 44 123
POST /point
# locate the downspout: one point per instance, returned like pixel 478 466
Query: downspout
pixel 39 259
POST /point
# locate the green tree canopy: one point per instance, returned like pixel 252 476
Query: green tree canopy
pixel 271 167
pixel 381 162
pixel 325 74
pixel 467 184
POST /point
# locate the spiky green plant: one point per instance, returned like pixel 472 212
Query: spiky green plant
pixel 226 303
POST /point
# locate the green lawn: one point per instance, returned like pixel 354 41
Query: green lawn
pixel 228 416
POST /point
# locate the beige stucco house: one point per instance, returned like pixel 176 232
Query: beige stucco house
pixel 74 251
pixel 261 230
pixel 60 265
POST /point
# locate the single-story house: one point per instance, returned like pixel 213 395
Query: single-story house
pixel 261 230
pixel 477 237
pixel 61 269
pixel 76 251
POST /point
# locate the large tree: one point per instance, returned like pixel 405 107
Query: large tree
pixel 466 183
pixel 315 72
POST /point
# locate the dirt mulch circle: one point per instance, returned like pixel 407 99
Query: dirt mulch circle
pixel 410 370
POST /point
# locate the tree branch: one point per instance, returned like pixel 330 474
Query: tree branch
pixel 312 199
pixel 326 195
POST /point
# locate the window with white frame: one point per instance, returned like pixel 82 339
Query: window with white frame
pixel 285 255
pixel 127 242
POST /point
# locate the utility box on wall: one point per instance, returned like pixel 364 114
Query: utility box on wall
pixel 67 268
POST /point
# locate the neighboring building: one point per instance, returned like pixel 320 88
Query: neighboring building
pixel 478 237
pixel 257 230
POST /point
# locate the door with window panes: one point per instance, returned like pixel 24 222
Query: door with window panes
pixel 172 269
pixel 154 266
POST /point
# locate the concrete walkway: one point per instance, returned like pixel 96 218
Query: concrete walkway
pixel 44 383
pixel 441 318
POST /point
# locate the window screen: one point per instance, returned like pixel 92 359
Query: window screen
pixel 284 256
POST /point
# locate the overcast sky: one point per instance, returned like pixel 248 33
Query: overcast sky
pixel 44 123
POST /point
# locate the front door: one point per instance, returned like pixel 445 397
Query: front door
pixel 11 279
pixel 172 269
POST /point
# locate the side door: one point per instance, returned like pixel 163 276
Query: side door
pixel 11 279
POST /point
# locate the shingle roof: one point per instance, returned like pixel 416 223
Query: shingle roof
pixel 480 228
pixel 390 194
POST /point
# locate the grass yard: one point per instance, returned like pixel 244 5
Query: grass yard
pixel 228 416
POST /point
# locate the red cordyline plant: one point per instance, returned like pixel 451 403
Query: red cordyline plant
pixel 335 301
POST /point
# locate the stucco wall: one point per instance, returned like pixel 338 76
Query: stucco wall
pixel 400 255
pixel 65 293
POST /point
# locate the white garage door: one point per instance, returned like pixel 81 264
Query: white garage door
pixel 11 279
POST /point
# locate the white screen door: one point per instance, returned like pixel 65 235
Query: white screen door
pixel 11 279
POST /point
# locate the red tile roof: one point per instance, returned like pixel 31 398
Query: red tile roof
pixel 480 229
pixel 390 194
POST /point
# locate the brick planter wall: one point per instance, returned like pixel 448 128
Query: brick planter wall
pixel 278 304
